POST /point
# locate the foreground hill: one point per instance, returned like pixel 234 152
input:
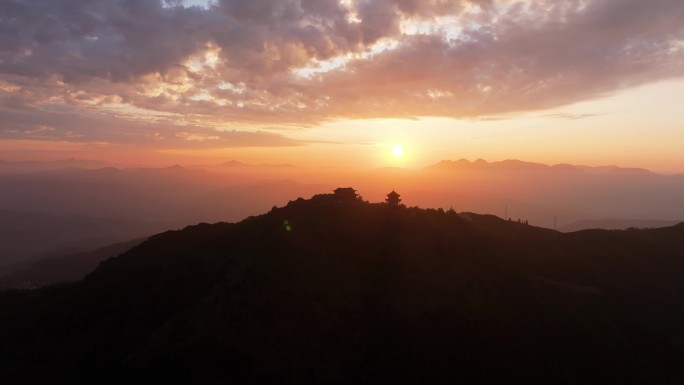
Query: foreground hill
pixel 329 290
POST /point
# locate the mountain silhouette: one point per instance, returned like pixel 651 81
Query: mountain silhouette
pixel 59 266
pixel 333 290
pixel 522 166
pixel 614 224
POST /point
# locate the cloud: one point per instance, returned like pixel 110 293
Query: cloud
pixel 515 60
pixel 239 62
pixel 566 116
pixel 63 122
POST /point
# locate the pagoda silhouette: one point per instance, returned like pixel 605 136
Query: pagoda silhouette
pixel 393 199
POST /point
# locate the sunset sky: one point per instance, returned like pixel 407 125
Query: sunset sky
pixel 343 83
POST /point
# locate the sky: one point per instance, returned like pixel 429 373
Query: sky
pixel 344 83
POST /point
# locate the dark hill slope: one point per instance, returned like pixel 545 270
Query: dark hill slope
pixel 324 291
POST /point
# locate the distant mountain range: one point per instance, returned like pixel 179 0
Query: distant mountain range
pixel 235 163
pixel 24 234
pixel 564 196
pixel 518 165
pixel 568 193
pixel 333 290
pixel 616 224
pixel 59 267
pixel 47 210
pixel 34 166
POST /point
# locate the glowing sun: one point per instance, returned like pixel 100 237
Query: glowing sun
pixel 397 151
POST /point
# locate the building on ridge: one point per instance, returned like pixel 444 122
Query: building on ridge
pixel 393 199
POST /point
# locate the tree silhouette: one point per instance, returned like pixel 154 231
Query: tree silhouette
pixel 346 194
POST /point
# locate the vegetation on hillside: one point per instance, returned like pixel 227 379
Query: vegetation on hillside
pixel 331 290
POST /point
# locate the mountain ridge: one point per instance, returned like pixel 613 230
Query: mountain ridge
pixel 520 165
pixel 337 290
pixel 59 266
pixel 615 224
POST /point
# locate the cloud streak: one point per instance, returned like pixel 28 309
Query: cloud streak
pixel 74 65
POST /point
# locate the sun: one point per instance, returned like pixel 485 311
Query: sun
pixel 398 151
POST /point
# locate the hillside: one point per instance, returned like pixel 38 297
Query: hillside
pixel 57 267
pixel 329 290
